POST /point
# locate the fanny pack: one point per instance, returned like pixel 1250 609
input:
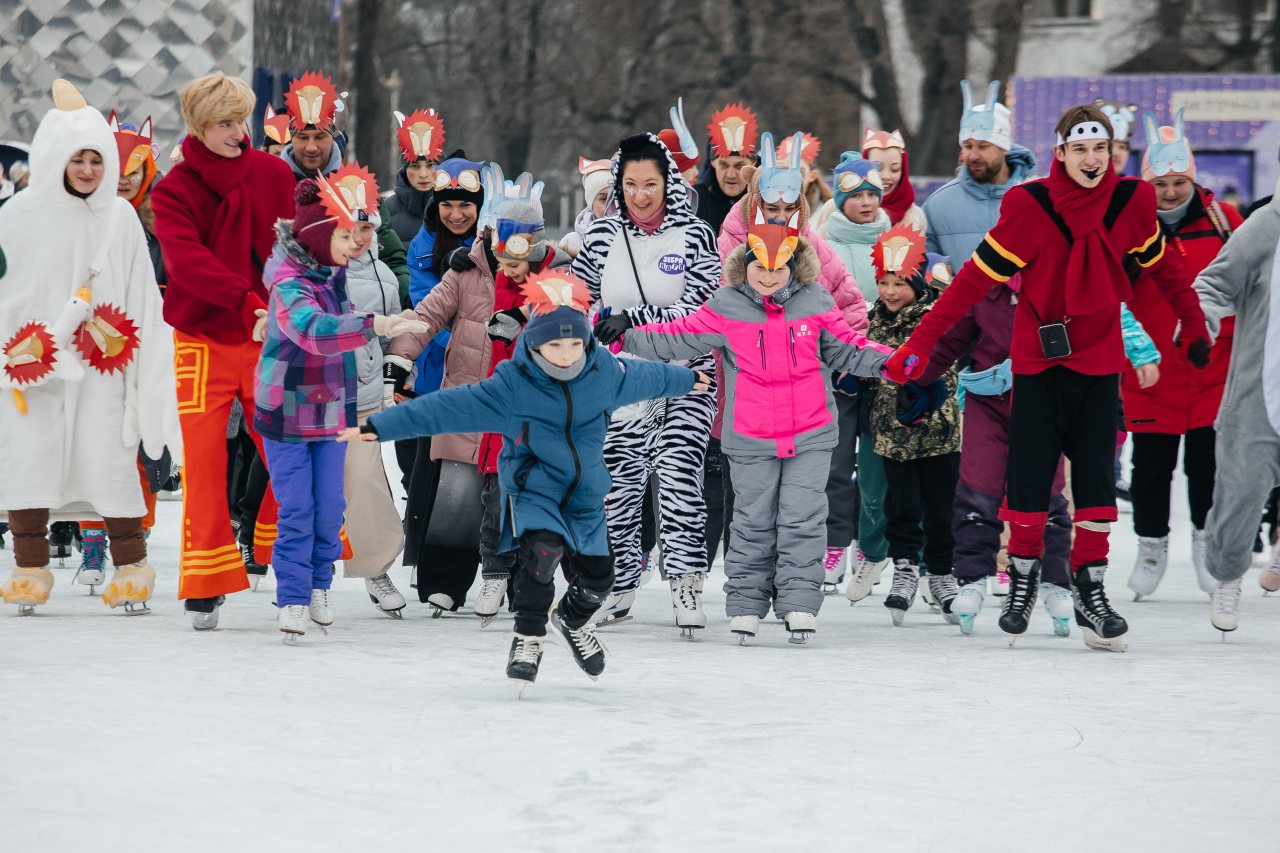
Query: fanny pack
pixel 991 382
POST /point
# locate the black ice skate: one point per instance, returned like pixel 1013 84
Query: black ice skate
pixel 1020 603
pixel 906 579
pixel 244 542
pixel 942 591
pixel 587 652
pixel 523 660
pixel 1101 626
pixel 62 536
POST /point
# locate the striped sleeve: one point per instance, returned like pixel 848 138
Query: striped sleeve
pixel 995 260
pixel 1151 250
pixel 595 250
pixel 701 277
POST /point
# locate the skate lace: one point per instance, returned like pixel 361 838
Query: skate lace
pixel 319 598
pixel 383 584
pixel 1095 601
pixel 492 587
pixel 1022 593
pixel 584 639
pixel 903 579
pixel 94 555
pixel 942 587
pixel 527 649
pixel 687 592
pixel 1229 596
pixel 832 560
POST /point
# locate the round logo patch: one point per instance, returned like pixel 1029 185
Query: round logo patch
pixel 671 264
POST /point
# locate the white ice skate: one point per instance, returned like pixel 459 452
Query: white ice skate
pixel 942 596
pixel 1225 614
pixel 616 609
pixel 1148 568
pixel 320 611
pixel 833 567
pixel 1208 583
pixel 1000 583
pixel 1058 604
pixel 27 588
pixel 867 576
pixel 968 604
pixel 292 620
pixel 93 559
pixel 202 619
pixel 440 604
pixel 800 625
pixel 744 626
pixel 686 600
pixel 131 586
pixel 1269 580
pixel 492 593
pixel 385 596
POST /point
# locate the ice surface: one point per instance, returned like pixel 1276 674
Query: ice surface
pixel 137 734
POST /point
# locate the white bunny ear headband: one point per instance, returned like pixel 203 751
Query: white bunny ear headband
pixel 688 145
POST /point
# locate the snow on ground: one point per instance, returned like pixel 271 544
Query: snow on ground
pixel 138 734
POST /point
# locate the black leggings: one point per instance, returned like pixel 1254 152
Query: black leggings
pixel 535 583
pixel 921 493
pixel 1155 456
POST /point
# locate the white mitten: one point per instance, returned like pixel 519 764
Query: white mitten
pixel 397 324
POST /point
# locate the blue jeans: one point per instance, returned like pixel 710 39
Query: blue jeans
pixel 307 478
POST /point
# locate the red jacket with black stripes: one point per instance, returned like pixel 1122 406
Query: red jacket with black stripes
pixel 1185 398
pixel 1029 240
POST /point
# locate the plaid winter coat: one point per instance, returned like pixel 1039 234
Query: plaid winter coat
pixel 305 388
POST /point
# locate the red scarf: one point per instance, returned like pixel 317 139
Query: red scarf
pixel 1093 270
pixel 898 202
pixel 233 222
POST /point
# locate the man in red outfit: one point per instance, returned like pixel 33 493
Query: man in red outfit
pixel 215 218
pixel 1068 235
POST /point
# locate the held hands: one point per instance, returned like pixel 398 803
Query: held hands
pixel 610 329
pixel 905 363
pixel 260 325
pixel 1148 375
pixel 354 434
pixel 506 325
pixel 1198 353
pixel 396 373
pixel 846 384
pixel 398 324
pixel 701 381
pixel 920 401
pixel 460 259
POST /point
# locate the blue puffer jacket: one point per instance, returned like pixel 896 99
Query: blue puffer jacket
pixel 421 279
pixel 962 211
pixel 551 468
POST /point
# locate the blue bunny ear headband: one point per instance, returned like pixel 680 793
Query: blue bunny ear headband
pixel 780 182
pixel 1166 157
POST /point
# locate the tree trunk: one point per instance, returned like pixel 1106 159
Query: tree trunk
pixel 368 100
pixel 940 37
pixel 869 27
pixel 1008 17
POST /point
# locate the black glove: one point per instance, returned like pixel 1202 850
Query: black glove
pixel 1198 353
pixel 920 401
pixel 506 325
pixel 849 386
pixel 612 328
pixel 459 259
pixel 397 377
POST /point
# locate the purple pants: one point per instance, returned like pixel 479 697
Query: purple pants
pixel 984 454
pixel 307 479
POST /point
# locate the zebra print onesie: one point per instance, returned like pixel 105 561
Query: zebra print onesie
pixel 679 268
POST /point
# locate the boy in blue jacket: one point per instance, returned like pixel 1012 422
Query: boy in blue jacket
pixel 551 401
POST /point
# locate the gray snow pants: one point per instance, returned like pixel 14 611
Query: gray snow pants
pixel 1248 469
pixel 779 533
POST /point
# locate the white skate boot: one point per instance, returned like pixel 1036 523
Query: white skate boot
pixel 93 559
pixel 1270 578
pixel 440 604
pixel 1225 614
pixel 385 596
pixel 968 603
pixel 27 588
pixel 906 579
pixel 867 576
pixel 686 600
pixel 492 593
pixel 1148 569
pixel 833 566
pixel 131 586
pixel 292 620
pixel 1058 604
pixel 942 596
pixel 1000 584
pixel 744 626
pixel 320 611
pixel 204 612
pixel 616 608
pixel 800 625
pixel 1208 583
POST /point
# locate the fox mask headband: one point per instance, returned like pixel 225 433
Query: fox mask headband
pixel 275 126
pixel 900 251
pixel 733 132
pixel 421 136
pixel 349 195
pixel 882 140
pixel 313 102
pixel 773 245
pixel 550 291
pixel 134 148
pixel 779 182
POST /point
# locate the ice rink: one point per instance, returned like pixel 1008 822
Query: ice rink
pixel 138 734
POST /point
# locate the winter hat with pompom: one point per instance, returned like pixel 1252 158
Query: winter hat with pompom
pixel 313 227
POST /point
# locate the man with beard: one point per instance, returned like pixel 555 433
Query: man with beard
pixel 964 209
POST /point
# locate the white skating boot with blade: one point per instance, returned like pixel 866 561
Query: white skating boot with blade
pixel 93 558
pixel 686 600
pixel 867 576
pixel 1000 584
pixel 204 612
pixel 1059 606
pixel 1148 568
pixel 968 604
pixel 27 588
pixel 800 625
pixel 1208 583
pixel 384 595
pixel 616 608
pixel 440 604
pixel 744 626
pixel 492 593
pixel 131 586
pixel 292 620
pixel 833 566
pixel 1225 614
pixel 1269 580
pixel 906 579
pixel 320 610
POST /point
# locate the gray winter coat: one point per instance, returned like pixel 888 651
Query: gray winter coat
pixel 371 288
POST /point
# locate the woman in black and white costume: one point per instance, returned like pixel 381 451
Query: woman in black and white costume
pixel 652 262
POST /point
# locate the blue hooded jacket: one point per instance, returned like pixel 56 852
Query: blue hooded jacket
pixel 962 211
pixel 551 469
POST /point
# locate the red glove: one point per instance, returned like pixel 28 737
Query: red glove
pixel 905 363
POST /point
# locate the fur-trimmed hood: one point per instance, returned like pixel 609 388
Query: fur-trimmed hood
pixel 805 265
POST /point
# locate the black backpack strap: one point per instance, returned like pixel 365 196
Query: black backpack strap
pixel 1040 193
pixel 1120 197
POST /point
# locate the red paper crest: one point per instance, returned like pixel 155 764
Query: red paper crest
pixel 30 354
pixel 311 100
pixel 108 340
pixel 421 135
pixel 733 132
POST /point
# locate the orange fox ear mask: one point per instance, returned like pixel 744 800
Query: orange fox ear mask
pixel 773 245
pixel 312 102
pixel 547 291
pixel 134 148
pixel 275 126
pixel 349 195
pixel 900 250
